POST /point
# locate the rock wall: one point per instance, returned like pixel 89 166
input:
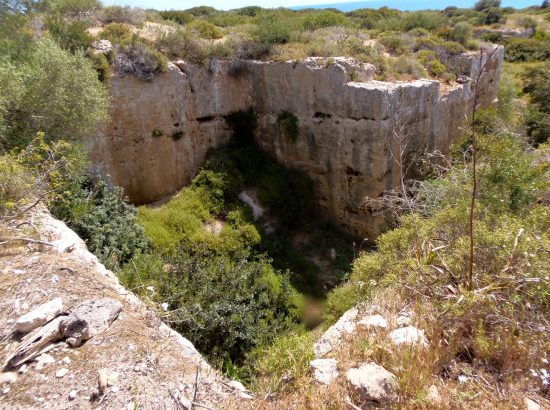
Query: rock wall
pixel 348 125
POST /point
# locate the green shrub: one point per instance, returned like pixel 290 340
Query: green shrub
pixel 102 66
pixel 461 33
pixel 201 11
pixel 314 21
pixel 75 7
pixel 58 89
pixel 422 19
pixel 272 29
pixel 70 36
pixel 287 359
pixel 394 43
pixel 118 14
pixel 16 184
pixel 205 29
pixel 289 125
pixel 116 33
pixel 486 4
pixel 407 65
pixel 100 215
pixel 225 306
pixel 526 49
pixel 157 132
pixel 139 58
pixel 180 17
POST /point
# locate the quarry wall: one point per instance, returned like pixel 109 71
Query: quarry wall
pixel 349 125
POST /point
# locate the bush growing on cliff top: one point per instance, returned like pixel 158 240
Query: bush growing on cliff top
pixel 52 91
pixel 139 58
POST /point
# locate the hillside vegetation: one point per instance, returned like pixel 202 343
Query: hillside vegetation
pixel 253 293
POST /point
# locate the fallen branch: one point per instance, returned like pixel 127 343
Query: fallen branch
pixel 26 240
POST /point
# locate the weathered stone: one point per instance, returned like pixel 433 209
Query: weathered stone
pixel 72 395
pixel 106 378
pixel 531 404
pixel 8 378
pixel 102 46
pixel 34 342
pixel 39 316
pixel 88 319
pixel 61 373
pixel 372 383
pixel 324 370
pixel 374 322
pixel 346 125
pixel 333 336
pixel 433 395
pixel 43 360
pixel 409 335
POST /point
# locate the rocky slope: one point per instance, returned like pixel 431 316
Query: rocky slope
pixel 347 125
pixel 131 360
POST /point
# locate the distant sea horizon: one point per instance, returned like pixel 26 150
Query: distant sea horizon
pixel 412 5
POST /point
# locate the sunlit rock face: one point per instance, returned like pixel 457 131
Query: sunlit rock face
pixel 348 125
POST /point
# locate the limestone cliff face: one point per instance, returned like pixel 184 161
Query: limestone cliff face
pixel 347 125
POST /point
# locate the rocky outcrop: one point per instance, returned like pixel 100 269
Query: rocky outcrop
pixel 91 343
pixel 161 130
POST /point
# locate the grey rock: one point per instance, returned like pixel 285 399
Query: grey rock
pixel 372 383
pixel 102 46
pixel 8 378
pixel 88 319
pixel 39 316
pixel 324 370
pixel 409 335
pixel 373 322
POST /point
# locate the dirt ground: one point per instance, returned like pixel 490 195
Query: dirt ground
pixel 156 367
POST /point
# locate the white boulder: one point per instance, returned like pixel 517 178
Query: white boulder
pixel 324 370
pixel 374 322
pixel 372 383
pixel 39 316
pixel 409 335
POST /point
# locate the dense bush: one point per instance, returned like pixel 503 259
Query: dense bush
pixel 526 49
pixel 75 7
pixel 116 33
pixel 139 58
pixel 180 17
pixel 58 90
pixel 100 215
pixel 273 29
pixel 69 36
pixel 205 29
pixel 536 84
pixel 289 125
pixel 118 14
pixel 314 21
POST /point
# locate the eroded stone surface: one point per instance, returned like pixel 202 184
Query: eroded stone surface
pixel 373 322
pixel 39 316
pixel 372 383
pixel 408 335
pixel 324 370
pixel 347 123
pixel 334 335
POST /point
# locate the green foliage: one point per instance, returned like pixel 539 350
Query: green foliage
pixel 486 4
pixel 205 29
pixel 314 21
pixel 16 184
pixel 429 60
pixel 116 33
pixel 272 29
pixel 461 33
pixel 225 305
pixel 536 85
pixel 100 215
pixel 60 91
pixel 180 17
pixel 286 359
pixel 422 19
pixel 118 14
pixel 69 36
pixel 139 58
pixel 157 132
pixel 289 125
pixel 74 7
pixel 201 11
pixel 526 49
pixel 102 66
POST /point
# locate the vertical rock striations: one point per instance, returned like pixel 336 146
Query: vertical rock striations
pixel 347 123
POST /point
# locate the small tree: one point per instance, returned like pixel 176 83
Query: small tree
pixel 486 4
